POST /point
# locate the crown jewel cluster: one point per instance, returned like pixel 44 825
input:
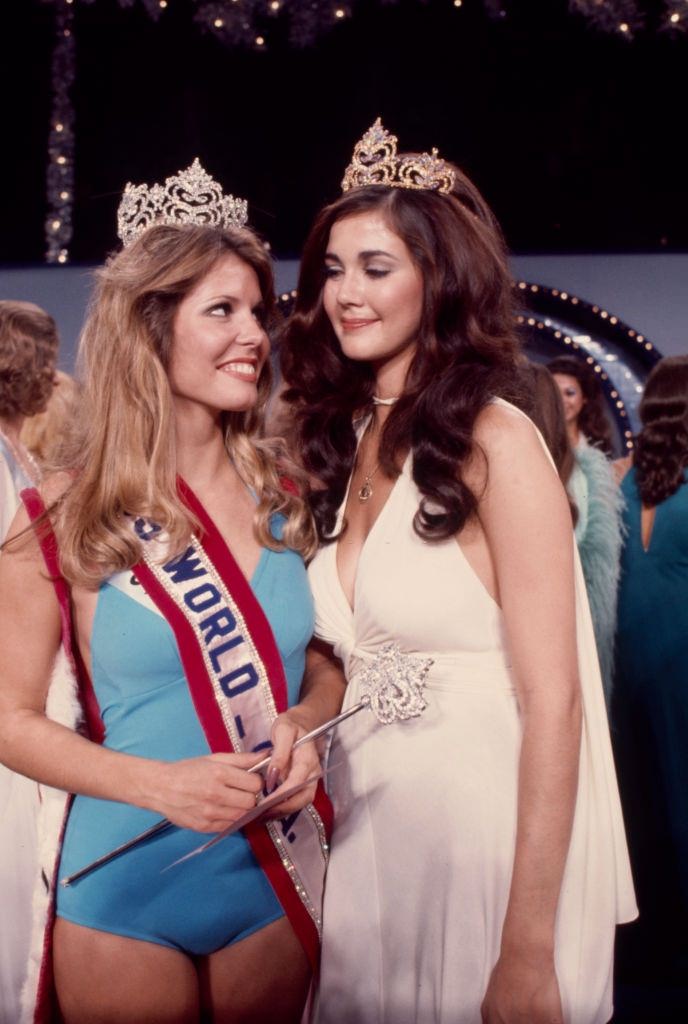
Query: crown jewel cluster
pixel 375 162
pixel 189 197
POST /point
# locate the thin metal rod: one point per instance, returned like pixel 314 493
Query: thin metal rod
pixel 315 734
pixel 107 857
pixel 165 823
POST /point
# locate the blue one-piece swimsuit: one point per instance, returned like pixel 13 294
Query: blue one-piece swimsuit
pixel 222 896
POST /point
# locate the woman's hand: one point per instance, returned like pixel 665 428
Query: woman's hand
pixel 206 794
pixel 289 767
pixel 522 990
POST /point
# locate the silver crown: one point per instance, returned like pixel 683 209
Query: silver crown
pixel 189 197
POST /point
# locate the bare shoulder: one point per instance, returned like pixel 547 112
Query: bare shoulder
pixel 22 540
pixel 508 442
pixel 501 427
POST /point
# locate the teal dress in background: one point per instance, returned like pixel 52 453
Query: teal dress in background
pixel 650 733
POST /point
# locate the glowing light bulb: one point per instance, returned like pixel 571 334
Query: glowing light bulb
pixel 218 23
pixel 340 12
pixel 674 18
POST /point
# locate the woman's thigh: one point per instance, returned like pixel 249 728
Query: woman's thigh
pixel 103 978
pixel 257 979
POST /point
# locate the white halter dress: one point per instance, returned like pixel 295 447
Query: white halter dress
pixel 425 809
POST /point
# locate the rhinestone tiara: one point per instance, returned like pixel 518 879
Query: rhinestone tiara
pixel 375 162
pixel 189 197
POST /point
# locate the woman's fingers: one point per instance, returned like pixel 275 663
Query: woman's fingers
pixel 293 803
pixel 285 732
pixel 238 765
pixel 305 764
pixel 207 794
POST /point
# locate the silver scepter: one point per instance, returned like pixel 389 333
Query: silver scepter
pixel 391 686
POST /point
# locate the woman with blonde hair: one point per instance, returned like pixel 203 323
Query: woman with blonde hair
pixel 180 550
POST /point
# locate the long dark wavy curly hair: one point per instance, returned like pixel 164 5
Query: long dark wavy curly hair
pixel 591 421
pixel 661 453
pixel 547 412
pixel 467 353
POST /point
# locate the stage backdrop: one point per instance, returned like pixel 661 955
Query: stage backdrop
pixel 648 292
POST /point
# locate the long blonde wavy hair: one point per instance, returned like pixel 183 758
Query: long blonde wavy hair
pixel 122 458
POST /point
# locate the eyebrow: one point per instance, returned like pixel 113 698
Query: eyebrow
pixel 365 255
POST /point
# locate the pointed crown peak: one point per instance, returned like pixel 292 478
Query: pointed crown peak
pixel 375 162
pixel 189 197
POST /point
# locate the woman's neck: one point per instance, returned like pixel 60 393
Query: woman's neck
pixel 201 451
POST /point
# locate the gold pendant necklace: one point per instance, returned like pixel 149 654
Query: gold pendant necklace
pixel 365 492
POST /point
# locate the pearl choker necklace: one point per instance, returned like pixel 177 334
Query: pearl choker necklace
pixel 385 401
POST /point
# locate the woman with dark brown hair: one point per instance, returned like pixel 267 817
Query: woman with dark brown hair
pixel 596 505
pixel 583 403
pixel 548 415
pixel 650 707
pixel 478 865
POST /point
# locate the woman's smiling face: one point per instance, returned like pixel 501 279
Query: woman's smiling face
pixel 373 293
pixel 220 345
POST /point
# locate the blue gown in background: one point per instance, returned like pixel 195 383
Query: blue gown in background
pixel 650 733
pixel 223 895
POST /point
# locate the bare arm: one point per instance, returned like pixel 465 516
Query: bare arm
pixel 204 793
pixel 526 520
pixel 322 693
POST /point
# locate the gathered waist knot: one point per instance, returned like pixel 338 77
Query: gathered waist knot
pixel 460 672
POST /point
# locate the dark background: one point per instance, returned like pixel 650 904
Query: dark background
pixel 575 137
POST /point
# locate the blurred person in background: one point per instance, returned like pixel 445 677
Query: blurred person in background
pixel 650 706
pixel 28 350
pixel 583 400
pixel 43 434
pixel 596 508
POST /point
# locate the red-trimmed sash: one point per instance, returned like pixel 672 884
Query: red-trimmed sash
pixel 237 683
